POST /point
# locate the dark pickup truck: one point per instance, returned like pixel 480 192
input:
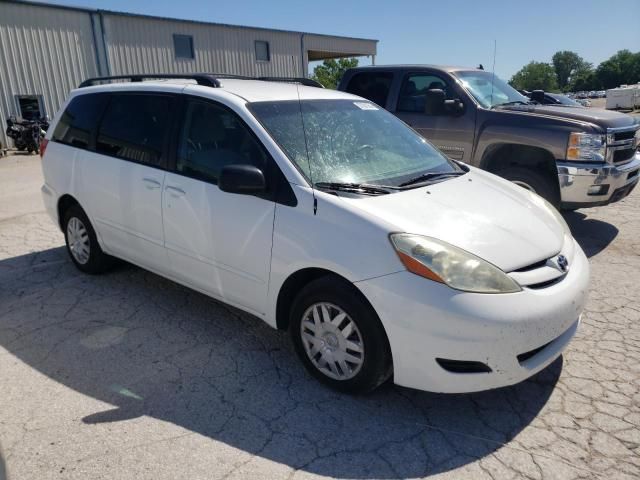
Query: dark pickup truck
pixel 574 157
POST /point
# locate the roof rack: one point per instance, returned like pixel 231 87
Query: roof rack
pixel 301 80
pixel 204 79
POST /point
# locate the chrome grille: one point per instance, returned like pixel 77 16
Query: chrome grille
pixel 621 144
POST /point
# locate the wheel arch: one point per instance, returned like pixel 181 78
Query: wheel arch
pixel 499 156
pixel 64 203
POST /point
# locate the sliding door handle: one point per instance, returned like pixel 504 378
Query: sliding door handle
pixel 151 184
pixel 175 191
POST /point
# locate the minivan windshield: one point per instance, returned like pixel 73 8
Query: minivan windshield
pixel 490 91
pixel 350 142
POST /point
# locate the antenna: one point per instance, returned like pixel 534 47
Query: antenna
pixel 493 70
pixel 306 148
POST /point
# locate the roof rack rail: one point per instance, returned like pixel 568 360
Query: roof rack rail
pixel 204 79
pixel 301 80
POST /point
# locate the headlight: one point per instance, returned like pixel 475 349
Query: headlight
pixel 444 263
pixel 586 147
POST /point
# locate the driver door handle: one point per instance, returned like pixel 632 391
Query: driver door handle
pixel 175 191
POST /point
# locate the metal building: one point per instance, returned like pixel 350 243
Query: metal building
pixel 47 50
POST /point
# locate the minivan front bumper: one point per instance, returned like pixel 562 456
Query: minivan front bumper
pixel 589 185
pixel 441 338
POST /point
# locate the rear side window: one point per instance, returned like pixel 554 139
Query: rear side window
pixel 80 120
pixel 212 138
pixel 373 86
pixel 134 127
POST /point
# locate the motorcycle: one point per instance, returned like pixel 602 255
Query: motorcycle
pixel 27 134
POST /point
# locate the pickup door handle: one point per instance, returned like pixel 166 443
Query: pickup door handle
pixel 175 191
pixel 151 184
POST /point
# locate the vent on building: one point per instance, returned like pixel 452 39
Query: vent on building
pixel 262 51
pixel 183 46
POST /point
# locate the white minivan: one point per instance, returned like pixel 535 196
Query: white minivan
pixel 320 213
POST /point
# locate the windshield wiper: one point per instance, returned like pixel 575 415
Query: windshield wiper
pixel 425 177
pixel 364 188
pixel 515 102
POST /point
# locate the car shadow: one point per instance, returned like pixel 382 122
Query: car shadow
pixel 593 235
pixel 151 347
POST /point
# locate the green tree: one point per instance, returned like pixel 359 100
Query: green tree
pixel 535 76
pixel 566 64
pixel 331 71
pixel 621 68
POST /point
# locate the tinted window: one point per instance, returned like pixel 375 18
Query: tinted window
pixel 414 90
pixel 183 46
pixel 262 51
pixel 80 120
pixel 374 86
pixel 213 137
pixel 134 128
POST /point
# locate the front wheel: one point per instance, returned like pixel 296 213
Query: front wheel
pixel 533 181
pixel 338 336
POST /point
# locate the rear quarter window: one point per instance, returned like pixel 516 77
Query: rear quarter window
pixel 373 86
pixel 80 120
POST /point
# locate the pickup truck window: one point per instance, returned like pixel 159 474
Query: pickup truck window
pixel 373 86
pixel 414 90
pixel 489 90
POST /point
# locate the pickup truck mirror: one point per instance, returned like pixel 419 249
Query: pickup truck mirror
pixel 434 101
pixel 537 96
pixel 454 107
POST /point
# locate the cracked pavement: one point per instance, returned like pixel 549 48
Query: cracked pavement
pixel 129 375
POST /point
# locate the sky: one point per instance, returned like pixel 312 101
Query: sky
pixel 451 32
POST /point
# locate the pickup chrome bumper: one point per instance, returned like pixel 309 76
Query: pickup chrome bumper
pixel 589 185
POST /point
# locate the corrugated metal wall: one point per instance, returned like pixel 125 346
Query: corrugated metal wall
pixel 48 50
pixel 43 51
pixel 145 45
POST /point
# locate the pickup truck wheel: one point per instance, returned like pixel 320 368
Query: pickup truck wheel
pixel 532 181
pixel 338 336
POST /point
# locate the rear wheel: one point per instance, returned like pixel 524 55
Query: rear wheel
pixel 534 182
pixel 82 243
pixel 338 336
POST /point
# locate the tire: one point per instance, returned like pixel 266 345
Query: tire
pixel 82 243
pixel 357 343
pixel 534 181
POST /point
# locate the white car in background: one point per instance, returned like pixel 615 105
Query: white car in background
pixel 320 213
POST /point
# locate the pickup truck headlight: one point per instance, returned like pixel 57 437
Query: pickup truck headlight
pixel 444 263
pixel 586 147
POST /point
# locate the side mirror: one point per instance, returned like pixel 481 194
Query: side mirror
pixel 243 179
pixel 454 107
pixel 434 101
pixel 537 96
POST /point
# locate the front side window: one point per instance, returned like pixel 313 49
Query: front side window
pixel 212 138
pixel 80 120
pixel 134 127
pixel 373 86
pixel 489 90
pixel 183 46
pixel 414 88
pixel 349 142
pixel 262 51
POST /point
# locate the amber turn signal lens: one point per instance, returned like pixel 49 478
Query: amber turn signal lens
pixel 414 266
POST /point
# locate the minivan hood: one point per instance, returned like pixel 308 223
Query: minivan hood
pixel 597 116
pixel 478 212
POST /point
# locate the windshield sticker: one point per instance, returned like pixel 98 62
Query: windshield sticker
pixel 365 106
